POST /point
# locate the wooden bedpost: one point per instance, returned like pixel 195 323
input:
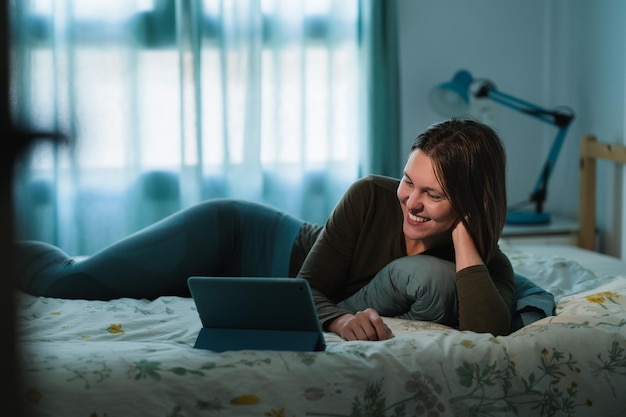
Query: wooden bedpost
pixel 587 197
pixel 590 151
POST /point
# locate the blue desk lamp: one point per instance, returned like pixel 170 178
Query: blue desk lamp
pixel 452 99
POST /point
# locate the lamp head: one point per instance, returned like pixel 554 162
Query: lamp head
pixel 451 98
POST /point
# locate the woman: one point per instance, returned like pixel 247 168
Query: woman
pixel 452 205
pixel 447 211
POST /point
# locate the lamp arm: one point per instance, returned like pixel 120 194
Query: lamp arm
pixel 541 187
pixel 554 117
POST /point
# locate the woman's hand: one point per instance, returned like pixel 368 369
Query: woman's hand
pixel 465 250
pixel 363 325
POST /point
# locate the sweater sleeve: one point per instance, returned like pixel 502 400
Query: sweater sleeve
pixel 361 236
pixel 328 265
pixel 485 296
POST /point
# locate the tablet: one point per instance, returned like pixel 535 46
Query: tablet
pixel 256 313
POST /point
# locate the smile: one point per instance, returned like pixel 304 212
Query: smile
pixel 417 219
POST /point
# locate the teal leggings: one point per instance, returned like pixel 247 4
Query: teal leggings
pixel 220 237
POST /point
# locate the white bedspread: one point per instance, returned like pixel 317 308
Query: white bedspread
pixel 135 358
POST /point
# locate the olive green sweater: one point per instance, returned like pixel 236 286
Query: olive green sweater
pixel 364 233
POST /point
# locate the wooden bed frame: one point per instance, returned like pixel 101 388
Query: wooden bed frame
pixel 590 151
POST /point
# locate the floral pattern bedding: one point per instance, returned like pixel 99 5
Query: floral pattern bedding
pixel 135 358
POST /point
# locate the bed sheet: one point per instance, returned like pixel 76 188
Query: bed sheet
pixel 135 357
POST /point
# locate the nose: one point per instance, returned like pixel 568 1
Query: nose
pixel 414 203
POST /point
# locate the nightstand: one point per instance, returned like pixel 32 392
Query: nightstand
pixel 560 231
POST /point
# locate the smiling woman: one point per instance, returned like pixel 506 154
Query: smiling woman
pixel 457 280
pixel 412 216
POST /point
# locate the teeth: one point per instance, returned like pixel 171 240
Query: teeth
pixel 417 219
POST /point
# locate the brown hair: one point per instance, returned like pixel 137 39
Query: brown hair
pixel 470 165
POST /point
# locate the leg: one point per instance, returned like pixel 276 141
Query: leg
pixel 417 287
pixel 217 237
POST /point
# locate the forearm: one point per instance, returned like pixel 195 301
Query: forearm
pixel 465 251
pixel 482 307
pixel 327 311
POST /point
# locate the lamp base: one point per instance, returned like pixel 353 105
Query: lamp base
pixel 527 217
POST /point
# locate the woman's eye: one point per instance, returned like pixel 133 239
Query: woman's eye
pixel 435 197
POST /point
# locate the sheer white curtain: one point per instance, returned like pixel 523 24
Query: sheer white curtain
pixel 168 103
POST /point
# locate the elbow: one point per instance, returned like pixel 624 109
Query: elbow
pixel 497 323
pixel 502 327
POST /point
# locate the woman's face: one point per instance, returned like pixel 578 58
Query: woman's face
pixel 428 214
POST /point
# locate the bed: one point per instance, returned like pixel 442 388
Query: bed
pixel 130 357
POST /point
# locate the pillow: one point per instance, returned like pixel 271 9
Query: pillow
pixel 423 287
pixel 416 287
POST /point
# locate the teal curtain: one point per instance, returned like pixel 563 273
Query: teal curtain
pixel 169 103
pixel 383 153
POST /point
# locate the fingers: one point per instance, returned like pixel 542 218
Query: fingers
pixel 366 325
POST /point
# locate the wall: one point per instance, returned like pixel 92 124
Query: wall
pixel 599 34
pixel 550 53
